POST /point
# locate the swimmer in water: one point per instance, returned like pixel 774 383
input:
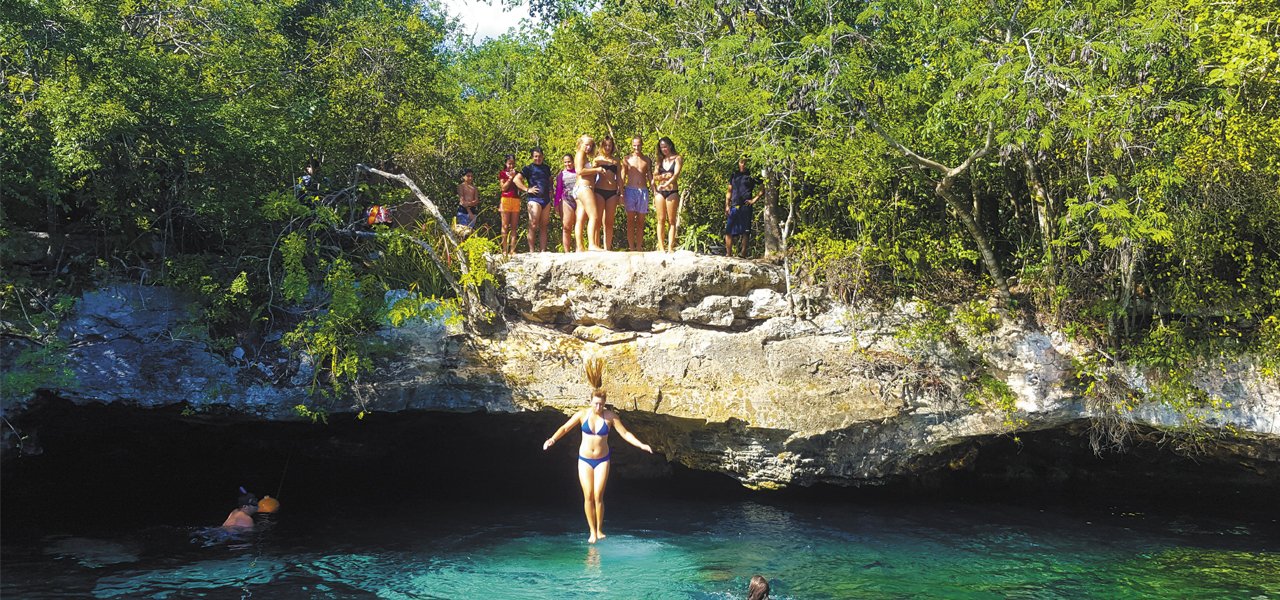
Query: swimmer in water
pixel 758 589
pixel 596 422
pixel 242 518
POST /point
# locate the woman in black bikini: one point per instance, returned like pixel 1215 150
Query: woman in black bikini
pixel 606 188
pixel 596 422
pixel 667 184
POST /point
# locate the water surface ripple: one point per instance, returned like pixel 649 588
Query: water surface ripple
pixel 668 549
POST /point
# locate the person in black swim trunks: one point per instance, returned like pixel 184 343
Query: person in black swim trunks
pixel 606 188
pixel 596 422
pixel 738 202
pixel 666 180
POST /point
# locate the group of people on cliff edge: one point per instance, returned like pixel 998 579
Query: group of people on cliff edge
pixel 586 192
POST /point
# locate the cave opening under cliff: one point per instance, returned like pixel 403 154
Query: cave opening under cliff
pixel 82 464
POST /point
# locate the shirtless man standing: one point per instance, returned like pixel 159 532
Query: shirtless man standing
pixel 639 178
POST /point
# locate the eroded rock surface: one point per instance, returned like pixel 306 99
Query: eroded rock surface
pixel 708 359
pixel 634 290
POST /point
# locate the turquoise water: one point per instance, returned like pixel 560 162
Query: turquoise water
pixel 667 548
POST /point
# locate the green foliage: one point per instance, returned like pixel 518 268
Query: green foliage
pixel 282 205
pixel 475 248
pixel 1131 187
pixel 1165 347
pixel 934 327
pixel 333 338
pixel 838 264
pixel 230 304
pixel 43 366
pixel 42 363
pixel 232 301
pixel 1094 377
pixel 1269 345
pixel 1170 351
pixel 403 263
pixel 296 282
pixel 317 415
pixel 977 317
pixel 698 237
pixel 1108 397
pixel 424 309
pixel 991 393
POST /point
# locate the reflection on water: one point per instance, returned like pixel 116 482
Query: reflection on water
pixel 664 549
pixel 90 552
pixel 237 573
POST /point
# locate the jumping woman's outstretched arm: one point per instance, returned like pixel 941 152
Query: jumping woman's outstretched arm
pixel 627 435
pixel 574 421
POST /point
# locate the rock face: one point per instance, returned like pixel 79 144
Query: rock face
pixel 710 360
pixel 126 346
pixel 634 290
pixel 142 345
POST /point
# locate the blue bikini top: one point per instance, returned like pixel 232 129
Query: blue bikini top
pixel 586 427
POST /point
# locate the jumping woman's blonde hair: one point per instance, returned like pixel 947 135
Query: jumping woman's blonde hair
pixel 595 377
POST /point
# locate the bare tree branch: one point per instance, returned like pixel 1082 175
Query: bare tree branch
pixel 943 189
pixel 432 210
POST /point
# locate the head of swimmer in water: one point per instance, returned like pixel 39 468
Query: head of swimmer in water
pixel 248 502
pixel 758 589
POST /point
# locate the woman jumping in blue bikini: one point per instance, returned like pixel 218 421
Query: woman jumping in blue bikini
pixel 596 422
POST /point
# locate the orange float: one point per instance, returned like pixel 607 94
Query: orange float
pixel 268 505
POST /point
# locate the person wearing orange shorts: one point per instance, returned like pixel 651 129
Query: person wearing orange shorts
pixel 509 205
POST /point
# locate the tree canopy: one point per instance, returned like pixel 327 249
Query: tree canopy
pixel 1111 166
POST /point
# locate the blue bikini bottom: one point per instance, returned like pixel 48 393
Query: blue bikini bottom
pixel 594 462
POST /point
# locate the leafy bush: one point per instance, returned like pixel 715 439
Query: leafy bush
pixel 991 393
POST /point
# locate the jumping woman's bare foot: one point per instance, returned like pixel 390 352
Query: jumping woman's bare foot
pixel 599 536
pixel 592 539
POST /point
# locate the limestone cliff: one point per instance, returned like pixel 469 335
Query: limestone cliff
pixel 711 360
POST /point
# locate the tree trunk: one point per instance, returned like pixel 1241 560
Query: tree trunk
pixel 773 243
pixel 1127 259
pixel 962 210
pixel 1045 210
pixel 979 236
